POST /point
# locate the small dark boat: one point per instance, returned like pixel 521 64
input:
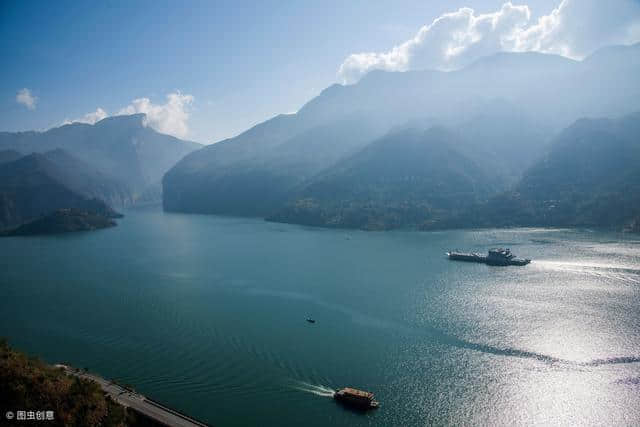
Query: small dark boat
pixel 310 320
pixel 357 398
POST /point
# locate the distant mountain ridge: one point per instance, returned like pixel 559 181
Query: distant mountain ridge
pixel 120 147
pixel 254 176
pixel 549 88
pixel 503 110
pixel 409 178
pixel 83 179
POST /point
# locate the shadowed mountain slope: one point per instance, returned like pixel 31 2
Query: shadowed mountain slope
pixel 591 177
pixel 38 184
pixel 7 156
pixel 410 178
pixel 505 108
pixel 122 147
pixel 250 178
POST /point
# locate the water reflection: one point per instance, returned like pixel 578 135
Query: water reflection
pixel 207 314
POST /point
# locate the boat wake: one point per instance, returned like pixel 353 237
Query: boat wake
pixel 622 273
pixel 318 390
pixel 453 341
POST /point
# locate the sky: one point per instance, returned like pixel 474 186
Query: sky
pixel 209 70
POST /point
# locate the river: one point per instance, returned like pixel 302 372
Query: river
pixel 207 314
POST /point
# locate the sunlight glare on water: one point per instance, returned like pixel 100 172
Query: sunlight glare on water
pixel 206 314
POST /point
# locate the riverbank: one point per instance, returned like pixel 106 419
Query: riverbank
pixel 32 389
pixel 128 398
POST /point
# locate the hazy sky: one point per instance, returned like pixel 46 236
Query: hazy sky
pixel 209 70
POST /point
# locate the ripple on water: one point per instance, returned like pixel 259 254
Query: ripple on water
pixel 220 321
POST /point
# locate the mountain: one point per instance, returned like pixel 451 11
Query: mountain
pixel 83 179
pixel 121 147
pixel 9 156
pixel 590 177
pixel 550 89
pixel 410 178
pixel 39 184
pixel 254 173
pixel 498 136
pixel 63 221
pixel 505 109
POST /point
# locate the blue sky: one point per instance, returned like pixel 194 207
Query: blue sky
pixel 239 62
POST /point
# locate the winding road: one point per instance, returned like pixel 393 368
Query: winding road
pixel 138 402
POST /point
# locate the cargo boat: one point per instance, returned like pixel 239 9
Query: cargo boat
pixel 356 398
pixel 497 256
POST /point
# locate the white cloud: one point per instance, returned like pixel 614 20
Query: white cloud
pixel 26 98
pixel 578 27
pixel 171 117
pixel 575 29
pixel 90 118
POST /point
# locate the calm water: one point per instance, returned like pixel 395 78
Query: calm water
pixel 207 315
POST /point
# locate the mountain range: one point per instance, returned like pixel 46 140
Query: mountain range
pixel 408 178
pixel 423 149
pixel 36 185
pixel 122 148
pixel 512 139
pixel 590 177
pixel 71 177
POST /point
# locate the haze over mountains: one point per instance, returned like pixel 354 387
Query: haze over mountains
pixel 407 178
pixel 591 177
pixel 512 139
pixel 36 185
pixel 121 147
pixel 415 149
pixel 115 163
